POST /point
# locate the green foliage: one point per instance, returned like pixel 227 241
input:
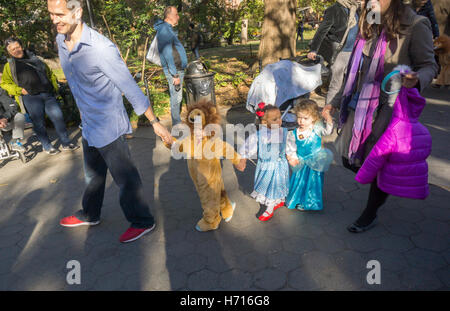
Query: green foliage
pixel 216 19
pixel 318 5
pixel 221 79
pixel 160 101
pixel 127 23
pixel 238 78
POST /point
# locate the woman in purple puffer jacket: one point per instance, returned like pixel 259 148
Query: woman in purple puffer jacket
pixel 402 37
pixel 397 162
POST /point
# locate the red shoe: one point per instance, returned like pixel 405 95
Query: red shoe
pixel 73 221
pixel 132 234
pixel 266 216
pixel 278 206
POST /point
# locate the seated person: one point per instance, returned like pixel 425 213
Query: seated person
pixel 32 82
pixel 11 119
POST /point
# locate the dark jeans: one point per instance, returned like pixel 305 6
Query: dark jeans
pixel 39 105
pixel 115 157
pixel 195 52
pixel 176 97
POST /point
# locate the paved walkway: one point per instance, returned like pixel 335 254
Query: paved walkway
pixel 293 251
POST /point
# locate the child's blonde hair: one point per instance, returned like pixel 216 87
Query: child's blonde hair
pixel 309 107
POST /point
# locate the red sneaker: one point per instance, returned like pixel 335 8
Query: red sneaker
pixel 73 221
pixel 132 234
pixel 266 216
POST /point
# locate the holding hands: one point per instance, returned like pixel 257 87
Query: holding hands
pixel 292 161
pixel 3 123
pixel 242 165
pixel 163 133
pixel 326 113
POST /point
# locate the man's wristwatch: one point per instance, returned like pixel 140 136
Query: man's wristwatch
pixel 155 120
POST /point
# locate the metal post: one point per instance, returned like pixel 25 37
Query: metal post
pixel 90 14
pixel 148 91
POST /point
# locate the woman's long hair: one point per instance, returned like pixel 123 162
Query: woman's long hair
pixel 391 22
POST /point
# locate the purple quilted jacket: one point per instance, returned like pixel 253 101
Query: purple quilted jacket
pixel 398 160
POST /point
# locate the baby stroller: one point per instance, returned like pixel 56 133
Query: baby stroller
pixel 6 152
pixel 284 83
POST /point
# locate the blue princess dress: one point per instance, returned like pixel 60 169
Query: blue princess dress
pixel 272 170
pixel 305 187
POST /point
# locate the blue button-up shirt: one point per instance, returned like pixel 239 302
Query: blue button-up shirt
pixel 97 77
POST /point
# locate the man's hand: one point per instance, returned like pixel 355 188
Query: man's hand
pixel 162 132
pixel 159 129
pixel 410 80
pixel 176 81
pixel 3 123
pixel 24 92
pixel 326 113
pixel 312 55
pixel 241 166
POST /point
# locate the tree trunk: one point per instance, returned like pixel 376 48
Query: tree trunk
pixel 244 31
pixel 278 31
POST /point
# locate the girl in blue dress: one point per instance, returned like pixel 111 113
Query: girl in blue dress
pixel 307 157
pixel 268 145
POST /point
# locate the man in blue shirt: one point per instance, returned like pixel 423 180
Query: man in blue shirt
pixel 97 77
pixel 173 59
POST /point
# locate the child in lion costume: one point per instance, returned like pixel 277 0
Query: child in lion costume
pixel 204 148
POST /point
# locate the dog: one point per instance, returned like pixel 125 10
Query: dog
pixel 442 50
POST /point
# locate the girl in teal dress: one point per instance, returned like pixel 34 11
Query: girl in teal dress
pixel 307 157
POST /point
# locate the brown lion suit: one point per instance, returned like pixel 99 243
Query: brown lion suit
pixel 204 167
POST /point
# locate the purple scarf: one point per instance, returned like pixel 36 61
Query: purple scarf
pixel 369 96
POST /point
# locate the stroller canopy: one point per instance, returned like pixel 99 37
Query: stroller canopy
pixel 282 81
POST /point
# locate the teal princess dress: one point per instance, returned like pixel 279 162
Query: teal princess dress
pixel 306 183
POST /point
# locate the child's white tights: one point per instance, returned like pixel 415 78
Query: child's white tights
pixel 269 209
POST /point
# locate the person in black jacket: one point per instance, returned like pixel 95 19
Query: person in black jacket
pixel 11 119
pixel 425 8
pixel 333 28
pixel 300 30
pixel 334 41
pixel 196 39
